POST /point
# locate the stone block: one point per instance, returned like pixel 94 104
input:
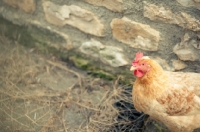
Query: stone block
pixel 27 6
pixel 135 34
pixel 114 5
pixel 73 15
pixel 165 15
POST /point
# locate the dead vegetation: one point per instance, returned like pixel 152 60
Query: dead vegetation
pixel 28 105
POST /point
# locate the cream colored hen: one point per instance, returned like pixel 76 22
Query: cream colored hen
pixel 170 97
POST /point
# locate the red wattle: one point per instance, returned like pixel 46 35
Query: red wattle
pixel 138 73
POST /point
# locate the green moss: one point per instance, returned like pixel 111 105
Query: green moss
pixel 103 74
pixel 80 62
pixel 94 70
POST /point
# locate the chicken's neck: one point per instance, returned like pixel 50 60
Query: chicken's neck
pixel 153 83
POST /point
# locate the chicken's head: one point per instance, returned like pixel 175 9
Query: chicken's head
pixel 139 65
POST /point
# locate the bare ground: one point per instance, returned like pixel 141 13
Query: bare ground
pixel 40 93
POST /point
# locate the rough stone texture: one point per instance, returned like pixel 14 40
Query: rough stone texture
pixel 188 22
pixel 73 15
pixel 114 5
pixel 113 56
pixel 165 15
pixel 196 42
pixel 163 63
pixel 25 5
pixel 135 34
pixel 185 50
pixel 66 43
pixel 188 3
pixel 91 48
pixel 107 54
pixel 154 12
pixel 178 64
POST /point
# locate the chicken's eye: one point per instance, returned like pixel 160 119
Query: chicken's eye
pixel 142 64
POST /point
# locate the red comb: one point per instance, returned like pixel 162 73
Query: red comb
pixel 138 56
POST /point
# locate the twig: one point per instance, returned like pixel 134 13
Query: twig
pixel 14 85
pixel 14 118
pixel 107 124
pixel 85 106
pixel 43 115
pixel 4 99
pixel 67 69
pixel 102 99
pixel 31 120
pixel 63 121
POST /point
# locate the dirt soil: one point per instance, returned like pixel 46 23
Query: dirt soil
pixel 40 93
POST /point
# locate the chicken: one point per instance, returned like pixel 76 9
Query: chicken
pixel 170 97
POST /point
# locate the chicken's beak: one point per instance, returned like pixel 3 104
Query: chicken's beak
pixel 132 68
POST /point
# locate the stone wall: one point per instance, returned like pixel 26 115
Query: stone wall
pixel 102 36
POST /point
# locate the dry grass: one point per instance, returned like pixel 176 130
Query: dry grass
pixel 27 105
